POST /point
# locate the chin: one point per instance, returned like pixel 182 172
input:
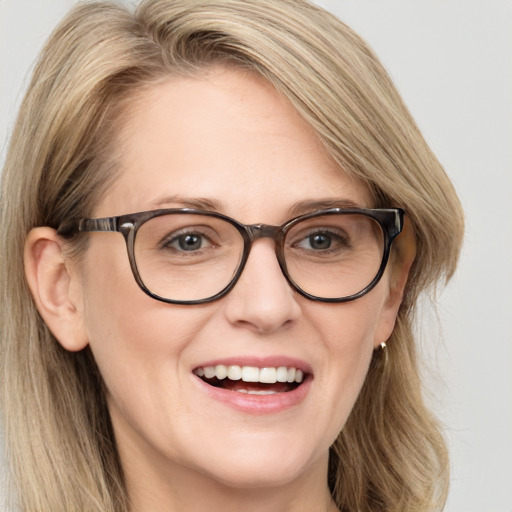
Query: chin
pixel 264 465
pixel 251 476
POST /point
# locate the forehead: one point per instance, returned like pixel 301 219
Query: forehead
pixel 227 137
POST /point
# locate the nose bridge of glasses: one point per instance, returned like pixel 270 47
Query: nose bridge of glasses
pixel 256 231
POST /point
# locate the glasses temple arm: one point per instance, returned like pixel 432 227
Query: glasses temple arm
pixel 73 226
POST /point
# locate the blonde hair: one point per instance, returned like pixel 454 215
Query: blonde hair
pixel 60 444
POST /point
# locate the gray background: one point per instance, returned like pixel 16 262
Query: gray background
pixel 452 62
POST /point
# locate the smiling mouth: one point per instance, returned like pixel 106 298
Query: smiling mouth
pixel 250 379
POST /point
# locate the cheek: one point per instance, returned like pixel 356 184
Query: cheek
pixel 348 333
pixel 351 348
pixel 139 345
pixel 349 328
pixel 130 334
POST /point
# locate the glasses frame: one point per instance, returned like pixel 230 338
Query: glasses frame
pixel 391 221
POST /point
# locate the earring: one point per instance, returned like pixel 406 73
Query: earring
pixel 384 352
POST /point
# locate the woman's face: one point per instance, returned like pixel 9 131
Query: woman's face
pixel 225 139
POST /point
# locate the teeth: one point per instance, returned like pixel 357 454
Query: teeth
pixel 250 374
pixel 234 372
pixel 281 374
pixel 221 371
pixel 254 392
pixel 209 372
pixel 268 375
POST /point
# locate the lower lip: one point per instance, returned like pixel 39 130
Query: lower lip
pixel 257 404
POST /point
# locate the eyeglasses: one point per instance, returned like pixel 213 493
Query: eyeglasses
pixel 188 256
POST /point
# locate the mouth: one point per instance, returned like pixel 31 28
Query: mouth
pixel 251 379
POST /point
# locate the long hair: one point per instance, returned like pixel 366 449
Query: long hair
pixel 62 156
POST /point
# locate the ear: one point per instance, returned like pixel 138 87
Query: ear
pixel 56 288
pixel 402 258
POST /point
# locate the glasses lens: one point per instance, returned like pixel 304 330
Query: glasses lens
pixel 187 257
pixel 334 256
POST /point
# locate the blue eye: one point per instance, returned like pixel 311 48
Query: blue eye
pixel 319 241
pixel 187 242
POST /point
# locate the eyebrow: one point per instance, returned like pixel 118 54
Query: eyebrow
pixel 210 204
pixel 198 203
pixel 307 206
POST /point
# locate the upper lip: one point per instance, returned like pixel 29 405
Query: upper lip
pixel 259 362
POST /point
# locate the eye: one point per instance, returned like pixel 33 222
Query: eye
pixel 322 240
pixel 188 242
pixel 318 241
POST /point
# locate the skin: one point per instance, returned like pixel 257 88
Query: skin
pixel 226 136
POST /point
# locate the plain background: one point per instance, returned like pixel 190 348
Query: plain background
pixel 452 62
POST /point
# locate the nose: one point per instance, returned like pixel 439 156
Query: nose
pixel 262 300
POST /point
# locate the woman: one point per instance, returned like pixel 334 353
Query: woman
pixel 218 217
